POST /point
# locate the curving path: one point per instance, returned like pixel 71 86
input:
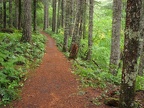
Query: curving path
pixel 52 85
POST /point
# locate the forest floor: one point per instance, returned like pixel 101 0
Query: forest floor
pixel 53 85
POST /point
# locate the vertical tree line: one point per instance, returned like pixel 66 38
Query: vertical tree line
pixel 91 2
pixel 4 14
pixel 115 40
pixel 75 19
pixel 21 15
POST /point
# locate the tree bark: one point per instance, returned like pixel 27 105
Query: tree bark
pixel 67 26
pixel 34 15
pixel 84 18
pixel 45 15
pixel 77 28
pixel 54 17
pixel 62 13
pixel 1 14
pixel 10 14
pixel 76 34
pixel 16 14
pixel 90 29
pixel 129 71
pixel 58 15
pixel 115 40
pixel 71 17
pixel 26 36
pixel 4 14
pixel 141 46
pixel 19 14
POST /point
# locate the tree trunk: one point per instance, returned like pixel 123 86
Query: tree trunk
pixel 84 18
pixel 62 13
pixel 4 14
pixel 1 14
pixel 10 14
pixel 19 14
pixel 77 33
pixel 58 15
pixel 26 36
pixel 71 17
pixel 45 15
pixel 54 17
pixel 115 40
pixel 34 15
pixel 141 47
pixel 129 71
pixel 73 13
pixel 90 30
pixel 16 14
pixel 67 26
pixel 141 64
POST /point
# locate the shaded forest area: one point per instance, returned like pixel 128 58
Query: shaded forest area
pixel 105 39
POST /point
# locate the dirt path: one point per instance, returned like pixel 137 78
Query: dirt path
pixel 52 85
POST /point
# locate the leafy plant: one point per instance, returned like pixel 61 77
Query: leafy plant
pixel 15 59
pixel 140 83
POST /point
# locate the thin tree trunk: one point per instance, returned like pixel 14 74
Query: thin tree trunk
pixel 34 15
pixel 73 13
pixel 90 30
pixel 1 14
pixel 54 17
pixel 4 14
pixel 45 15
pixel 141 64
pixel 58 15
pixel 129 71
pixel 141 47
pixel 115 40
pixel 26 36
pixel 16 14
pixel 84 18
pixel 67 26
pixel 76 34
pixel 10 13
pixel 62 13
pixel 19 15
pixel 71 17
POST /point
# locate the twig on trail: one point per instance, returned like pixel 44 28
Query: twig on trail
pixel 95 63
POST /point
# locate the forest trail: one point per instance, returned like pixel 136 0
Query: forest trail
pixel 52 85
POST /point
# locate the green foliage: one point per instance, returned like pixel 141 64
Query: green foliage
pixel 15 59
pixel 91 75
pixel 140 83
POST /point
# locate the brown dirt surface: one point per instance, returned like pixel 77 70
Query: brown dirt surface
pixel 52 84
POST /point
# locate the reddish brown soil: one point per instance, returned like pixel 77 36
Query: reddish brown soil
pixel 53 85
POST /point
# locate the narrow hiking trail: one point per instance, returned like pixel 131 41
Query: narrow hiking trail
pixel 52 85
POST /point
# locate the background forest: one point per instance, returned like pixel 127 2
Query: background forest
pixel 91 32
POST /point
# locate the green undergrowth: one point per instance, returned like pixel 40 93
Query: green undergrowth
pixel 140 83
pixel 92 76
pixel 92 73
pixel 16 58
